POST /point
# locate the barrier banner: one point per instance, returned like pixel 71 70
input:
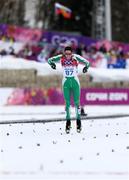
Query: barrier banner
pixel 31 96
pixel 57 38
pixel 105 96
pixel 54 96
pixel 3 29
pixel 24 34
pixel 20 33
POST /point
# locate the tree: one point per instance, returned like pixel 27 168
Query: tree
pixel 12 12
pixel 120 16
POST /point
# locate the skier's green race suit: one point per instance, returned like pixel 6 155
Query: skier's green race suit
pixel 70 82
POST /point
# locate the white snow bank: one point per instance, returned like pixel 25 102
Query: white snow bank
pixel 98 74
pixel 16 45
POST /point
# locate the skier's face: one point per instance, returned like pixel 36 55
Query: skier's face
pixel 68 54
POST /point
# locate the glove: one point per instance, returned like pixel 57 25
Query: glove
pixel 85 69
pixel 53 65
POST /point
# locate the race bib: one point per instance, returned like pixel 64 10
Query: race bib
pixel 70 71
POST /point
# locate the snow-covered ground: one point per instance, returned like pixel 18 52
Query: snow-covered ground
pixel 45 151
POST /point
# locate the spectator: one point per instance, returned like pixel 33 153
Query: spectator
pixel 11 51
pixel 3 52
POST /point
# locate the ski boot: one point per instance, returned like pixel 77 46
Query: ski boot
pixel 79 127
pixel 68 126
pixel 83 112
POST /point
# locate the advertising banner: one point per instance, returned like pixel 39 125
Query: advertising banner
pixel 31 96
pixel 24 34
pixel 20 34
pixel 105 96
pixel 57 38
pixel 54 96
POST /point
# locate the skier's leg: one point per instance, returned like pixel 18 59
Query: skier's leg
pixel 66 93
pixel 76 96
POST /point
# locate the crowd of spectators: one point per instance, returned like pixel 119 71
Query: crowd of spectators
pixel 99 56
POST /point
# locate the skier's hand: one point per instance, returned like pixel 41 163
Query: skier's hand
pixel 53 65
pixel 85 69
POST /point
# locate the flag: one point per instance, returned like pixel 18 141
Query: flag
pixel 63 10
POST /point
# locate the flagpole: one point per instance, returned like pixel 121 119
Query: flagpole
pixel 108 20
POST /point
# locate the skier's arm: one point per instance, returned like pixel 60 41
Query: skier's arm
pixel 82 60
pixel 54 59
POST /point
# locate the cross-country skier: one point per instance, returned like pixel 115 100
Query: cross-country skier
pixel 70 82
